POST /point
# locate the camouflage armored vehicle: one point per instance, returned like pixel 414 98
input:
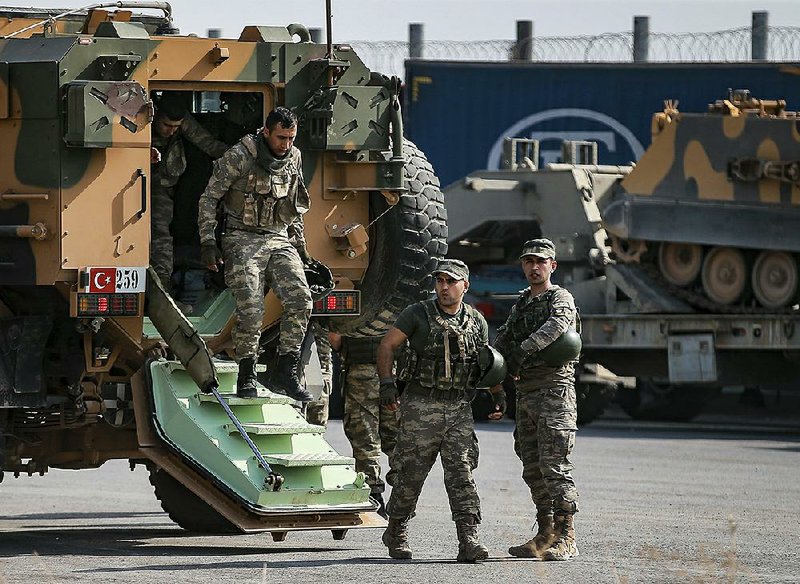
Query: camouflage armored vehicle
pixel 96 361
pixel 684 266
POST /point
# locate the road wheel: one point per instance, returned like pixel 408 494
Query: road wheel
pixel 775 279
pixel 680 263
pixel 664 402
pixel 724 275
pixel 185 508
pixel 405 245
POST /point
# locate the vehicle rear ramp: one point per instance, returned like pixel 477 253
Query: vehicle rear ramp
pixel 223 463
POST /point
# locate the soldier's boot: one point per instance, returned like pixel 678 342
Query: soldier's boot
pixel 470 549
pixel 284 379
pixel 396 539
pixel 541 542
pixel 246 379
pixel 565 546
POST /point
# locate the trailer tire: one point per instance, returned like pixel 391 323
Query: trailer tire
pixel 662 402
pixel 187 509
pixel 405 245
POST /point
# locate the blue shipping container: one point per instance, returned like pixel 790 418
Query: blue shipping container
pixel 459 112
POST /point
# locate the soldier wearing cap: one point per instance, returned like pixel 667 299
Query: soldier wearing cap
pixel 440 339
pixel 546 418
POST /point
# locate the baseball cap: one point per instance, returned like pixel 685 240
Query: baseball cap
pixel 453 268
pixel 543 248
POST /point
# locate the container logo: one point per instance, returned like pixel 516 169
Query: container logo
pixel 551 127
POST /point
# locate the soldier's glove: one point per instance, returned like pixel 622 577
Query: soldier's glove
pixel 304 255
pixel 388 393
pixel 210 255
pixel 499 400
pixel 514 361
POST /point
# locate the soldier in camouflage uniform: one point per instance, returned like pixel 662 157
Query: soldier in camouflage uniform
pixel 260 182
pixel 438 365
pixel 371 427
pixel 172 124
pixel 317 411
pixel 546 408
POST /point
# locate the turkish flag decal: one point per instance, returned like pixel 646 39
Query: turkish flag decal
pixel 102 280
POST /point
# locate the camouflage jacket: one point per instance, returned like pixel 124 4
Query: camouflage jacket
pixel 534 323
pixel 256 199
pixel 173 156
pixel 449 359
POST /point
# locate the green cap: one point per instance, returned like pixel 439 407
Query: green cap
pixel 453 268
pixel 543 248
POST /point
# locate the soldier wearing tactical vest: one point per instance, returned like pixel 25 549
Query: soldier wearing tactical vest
pixel 370 426
pixel 546 418
pixel 260 183
pixel 173 123
pixel 441 339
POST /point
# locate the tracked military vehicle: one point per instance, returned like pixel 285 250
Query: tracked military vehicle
pixel 97 362
pixel 684 265
pixel 711 209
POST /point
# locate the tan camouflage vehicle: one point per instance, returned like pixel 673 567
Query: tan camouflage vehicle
pixel 96 360
pixel 684 266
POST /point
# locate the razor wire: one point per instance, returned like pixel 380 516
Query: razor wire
pixel 733 45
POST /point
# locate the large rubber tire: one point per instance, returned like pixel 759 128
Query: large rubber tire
pixel 405 245
pixel 187 509
pixel 663 402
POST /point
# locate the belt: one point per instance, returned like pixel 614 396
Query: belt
pixel 248 229
pixel 440 394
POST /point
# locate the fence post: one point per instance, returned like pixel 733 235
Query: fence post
pixel 641 38
pixel 416 40
pixel 523 48
pixel 759 36
pixel 316 35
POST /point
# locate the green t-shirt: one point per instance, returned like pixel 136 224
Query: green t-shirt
pixel 413 322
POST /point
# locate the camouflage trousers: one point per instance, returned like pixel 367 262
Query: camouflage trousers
pixel 543 440
pixel 317 410
pixel 161 254
pixel 253 261
pixel 431 428
pixel 370 427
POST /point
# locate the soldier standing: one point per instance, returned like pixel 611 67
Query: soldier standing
pixel 439 367
pixel 172 124
pixel 546 408
pixel 260 181
pixel 370 426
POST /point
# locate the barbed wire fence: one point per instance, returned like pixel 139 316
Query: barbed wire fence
pixel 731 45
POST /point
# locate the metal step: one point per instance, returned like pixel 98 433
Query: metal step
pixel 264 397
pixel 233 367
pixel 308 459
pixel 286 428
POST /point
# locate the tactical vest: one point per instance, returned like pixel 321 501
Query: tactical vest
pixel 264 199
pixel 360 351
pixel 449 360
pixel 528 316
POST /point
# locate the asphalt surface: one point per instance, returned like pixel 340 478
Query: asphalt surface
pixel 715 501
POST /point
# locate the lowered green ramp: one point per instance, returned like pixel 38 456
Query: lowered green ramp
pixel 316 479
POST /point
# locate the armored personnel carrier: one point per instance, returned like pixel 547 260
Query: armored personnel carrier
pixel 684 265
pixel 96 360
pixel 711 208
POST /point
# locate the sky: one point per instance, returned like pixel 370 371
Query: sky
pixel 375 20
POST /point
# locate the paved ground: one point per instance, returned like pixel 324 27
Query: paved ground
pixel 713 502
